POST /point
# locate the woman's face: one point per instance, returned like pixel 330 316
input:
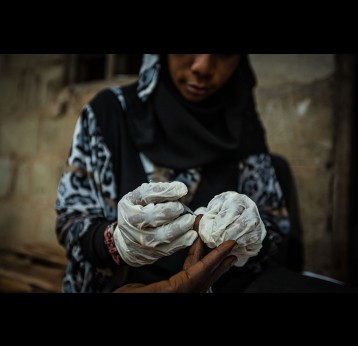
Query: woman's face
pixel 198 76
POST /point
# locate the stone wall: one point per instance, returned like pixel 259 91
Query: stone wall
pixel 294 98
pixel 31 154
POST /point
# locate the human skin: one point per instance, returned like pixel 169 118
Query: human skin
pixel 198 76
pixel 196 222
pixel 199 272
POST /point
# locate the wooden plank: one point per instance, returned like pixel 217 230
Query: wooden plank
pixel 8 285
pixel 41 252
pixel 47 279
pixel 23 273
pixel 28 279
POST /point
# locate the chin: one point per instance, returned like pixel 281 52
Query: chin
pixel 194 99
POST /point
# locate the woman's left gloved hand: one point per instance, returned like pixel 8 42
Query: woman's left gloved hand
pixel 235 216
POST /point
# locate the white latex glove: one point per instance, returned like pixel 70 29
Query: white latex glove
pixel 231 215
pixel 149 223
pixel 200 210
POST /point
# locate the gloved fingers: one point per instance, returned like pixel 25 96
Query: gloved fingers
pixel 157 192
pixel 231 215
pixel 131 251
pixel 228 211
pixel 143 247
pixel 248 245
pixel 238 205
pixel 213 227
pixel 222 220
pixel 217 255
pixel 216 203
pixel 247 223
pixel 155 215
pixel 200 210
pixel 179 243
pixel 206 229
pixel 243 253
pixel 246 250
pixel 151 215
pixel 137 256
pixel 243 234
pixel 196 252
pixel 150 237
pixel 222 210
pixel 140 256
pixel 126 247
pixel 231 210
pixel 144 256
pixel 229 201
pixel 165 234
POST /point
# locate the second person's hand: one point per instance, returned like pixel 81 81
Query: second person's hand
pixel 198 273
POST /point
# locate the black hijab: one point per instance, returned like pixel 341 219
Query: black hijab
pixel 179 134
pixel 213 135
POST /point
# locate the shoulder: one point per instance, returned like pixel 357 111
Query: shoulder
pixel 103 98
pixel 112 98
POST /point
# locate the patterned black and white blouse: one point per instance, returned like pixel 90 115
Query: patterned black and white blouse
pixel 88 191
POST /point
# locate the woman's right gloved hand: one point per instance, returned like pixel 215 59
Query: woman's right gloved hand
pixel 149 223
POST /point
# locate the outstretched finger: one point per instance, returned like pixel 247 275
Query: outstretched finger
pixel 202 274
pixel 196 252
pixel 217 255
pixel 208 264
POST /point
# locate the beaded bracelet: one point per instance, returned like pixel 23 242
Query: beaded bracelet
pixel 109 241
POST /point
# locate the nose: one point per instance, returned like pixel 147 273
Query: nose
pixel 203 65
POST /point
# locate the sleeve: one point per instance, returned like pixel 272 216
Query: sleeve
pixel 258 180
pixel 85 203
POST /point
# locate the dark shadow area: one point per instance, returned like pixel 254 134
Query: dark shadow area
pixel 353 243
pixel 291 254
pixel 280 280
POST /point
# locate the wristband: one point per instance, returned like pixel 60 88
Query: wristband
pixel 109 241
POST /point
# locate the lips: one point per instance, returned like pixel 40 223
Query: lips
pixel 197 89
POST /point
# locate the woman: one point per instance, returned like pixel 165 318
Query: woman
pixel 190 118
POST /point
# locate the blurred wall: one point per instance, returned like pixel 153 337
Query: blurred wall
pixel 31 146
pixel 38 114
pixel 294 98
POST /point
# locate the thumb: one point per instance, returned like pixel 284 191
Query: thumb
pixel 196 252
